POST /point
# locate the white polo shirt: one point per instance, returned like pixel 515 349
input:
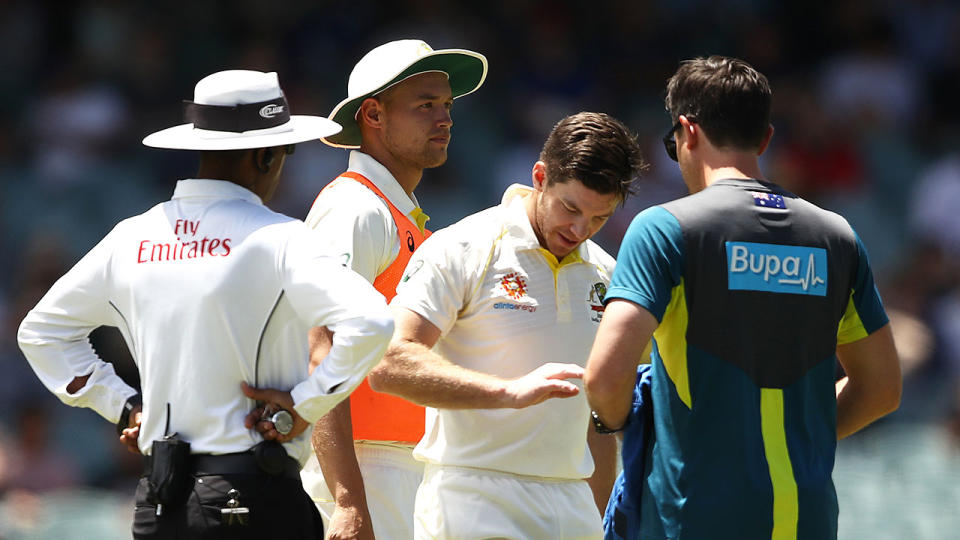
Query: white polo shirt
pixel 356 223
pixel 505 306
pixel 209 289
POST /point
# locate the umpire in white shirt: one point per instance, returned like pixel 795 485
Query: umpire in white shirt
pixel 215 294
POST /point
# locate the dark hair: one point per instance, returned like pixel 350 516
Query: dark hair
pixel 595 149
pixel 726 97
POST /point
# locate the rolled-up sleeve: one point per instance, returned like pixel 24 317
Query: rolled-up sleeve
pixel 324 293
pixel 54 337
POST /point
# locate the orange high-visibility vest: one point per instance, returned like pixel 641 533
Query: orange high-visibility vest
pixel 378 416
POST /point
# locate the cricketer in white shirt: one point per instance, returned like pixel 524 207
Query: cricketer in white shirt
pixel 358 228
pixel 356 223
pixel 209 289
pixel 506 306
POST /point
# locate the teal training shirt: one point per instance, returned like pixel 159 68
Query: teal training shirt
pixel 753 288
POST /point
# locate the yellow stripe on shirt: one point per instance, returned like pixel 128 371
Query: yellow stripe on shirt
pixel 786 509
pixel 671 338
pixel 851 327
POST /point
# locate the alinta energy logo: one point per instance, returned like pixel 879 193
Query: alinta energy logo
pixel 514 285
pixel 269 111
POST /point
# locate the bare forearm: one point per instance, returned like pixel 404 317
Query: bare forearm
pixel 410 369
pixel 873 383
pixel 611 400
pixel 603 447
pixel 333 443
pixel 332 438
pixel 414 372
pixel 856 408
pixel 623 336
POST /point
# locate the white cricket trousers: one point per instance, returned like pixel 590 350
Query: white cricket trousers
pixel 460 503
pixel 390 478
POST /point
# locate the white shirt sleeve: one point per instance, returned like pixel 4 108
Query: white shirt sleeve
pixel 355 226
pixel 53 336
pixel 324 293
pixel 438 279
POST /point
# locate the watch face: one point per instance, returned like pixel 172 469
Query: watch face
pixel 282 422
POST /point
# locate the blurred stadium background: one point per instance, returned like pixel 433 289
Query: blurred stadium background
pixel 866 118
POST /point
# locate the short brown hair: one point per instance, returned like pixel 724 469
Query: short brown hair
pixel 726 97
pixel 595 149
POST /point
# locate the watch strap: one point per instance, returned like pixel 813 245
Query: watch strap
pixel 132 402
pixel 600 427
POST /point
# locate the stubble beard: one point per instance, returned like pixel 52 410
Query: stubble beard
pixel 544 235
pixel 421 158
pixel 540 229
pixel 431 158
pixel 425 159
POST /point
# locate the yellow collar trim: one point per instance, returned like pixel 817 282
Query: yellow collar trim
pixel 420 218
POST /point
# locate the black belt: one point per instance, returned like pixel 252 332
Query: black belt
pixel 238 463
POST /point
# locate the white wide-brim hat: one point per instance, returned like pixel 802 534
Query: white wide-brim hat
pixel 240 109
pixel 395 62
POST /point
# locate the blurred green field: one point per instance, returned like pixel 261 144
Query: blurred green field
pixel 899 481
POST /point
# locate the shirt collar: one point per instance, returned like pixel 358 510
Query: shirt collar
pixel 217 189
pixel 373 170
pixel 750 183
pixel 519 231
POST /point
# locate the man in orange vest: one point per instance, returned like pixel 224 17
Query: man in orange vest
pixel 397 120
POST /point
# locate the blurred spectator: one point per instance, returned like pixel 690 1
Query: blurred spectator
pixel 926 30
pixel 30 461
pixel 872 83
pixel 816 154
pixel 73 124
pixel 935 206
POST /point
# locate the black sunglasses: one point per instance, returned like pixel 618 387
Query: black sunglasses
pixel 670 142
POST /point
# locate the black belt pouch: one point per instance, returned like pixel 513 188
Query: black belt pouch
pixel 271 457
pixel 170 476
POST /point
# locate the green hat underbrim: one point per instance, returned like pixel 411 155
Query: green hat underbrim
pixel 466 73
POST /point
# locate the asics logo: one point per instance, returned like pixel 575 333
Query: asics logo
pixel 776 268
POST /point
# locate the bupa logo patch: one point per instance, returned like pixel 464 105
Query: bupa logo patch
pixel 777 269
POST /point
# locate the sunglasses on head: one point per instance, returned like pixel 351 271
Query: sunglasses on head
pixel 670 141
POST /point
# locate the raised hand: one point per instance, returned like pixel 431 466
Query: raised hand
pixel 545 382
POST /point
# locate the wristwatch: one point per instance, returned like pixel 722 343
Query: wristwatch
pixel 132 402
pixel 600 427
pixel 282 421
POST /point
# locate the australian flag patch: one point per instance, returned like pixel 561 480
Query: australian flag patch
pixel 768 200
